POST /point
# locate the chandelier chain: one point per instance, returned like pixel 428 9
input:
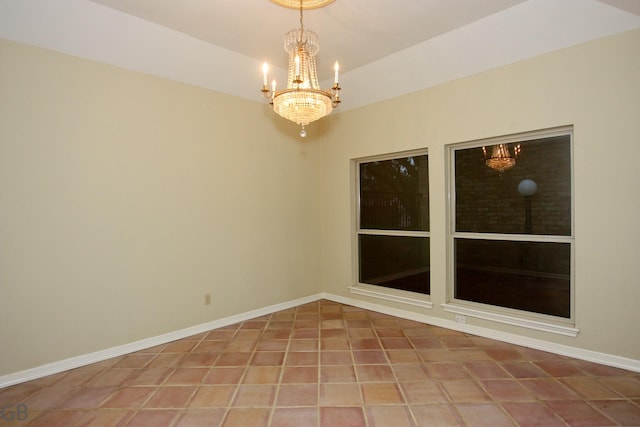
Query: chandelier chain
pixel 301 24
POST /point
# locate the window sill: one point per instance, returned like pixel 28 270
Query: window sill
pixel 391 295
pixel 512 320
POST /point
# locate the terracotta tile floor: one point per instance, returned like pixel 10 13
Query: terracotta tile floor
pixel 325 364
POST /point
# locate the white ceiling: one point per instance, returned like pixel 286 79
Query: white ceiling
pixel 356 32
pixel 385 47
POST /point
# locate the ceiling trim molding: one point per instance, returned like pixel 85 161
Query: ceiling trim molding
pixel 86 29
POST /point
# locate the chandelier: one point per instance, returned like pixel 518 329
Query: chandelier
pixel 501 157
pixel 302 101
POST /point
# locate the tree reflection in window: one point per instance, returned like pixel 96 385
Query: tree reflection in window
pixel 393 239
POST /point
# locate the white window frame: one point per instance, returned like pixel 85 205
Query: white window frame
pixel 521 318
pixel 375 291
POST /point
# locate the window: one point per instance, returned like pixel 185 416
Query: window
pixel 393 222
pixel 511 229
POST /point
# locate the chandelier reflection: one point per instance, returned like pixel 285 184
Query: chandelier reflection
pixel 502 157
pixel 302 101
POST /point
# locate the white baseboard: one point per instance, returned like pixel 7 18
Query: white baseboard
pixel 577 353
pixel 99 356
pixel 394 295
pixel 512 320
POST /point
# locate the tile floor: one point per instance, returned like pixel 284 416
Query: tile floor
pixel 326 364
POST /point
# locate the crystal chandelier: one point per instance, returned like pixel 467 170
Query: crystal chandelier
pixel 501 157
pixel 302 101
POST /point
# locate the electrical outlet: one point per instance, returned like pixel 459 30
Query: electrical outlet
pixel 207 299
pixel 461 319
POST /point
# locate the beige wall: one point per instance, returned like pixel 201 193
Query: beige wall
pixel 124 198
pixel 596 88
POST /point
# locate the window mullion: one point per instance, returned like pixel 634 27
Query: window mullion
pixel 513 237
pixel 404 233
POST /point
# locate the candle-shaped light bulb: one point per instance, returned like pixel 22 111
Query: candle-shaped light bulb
pixel 265 69
pixel 273 86
pixel 336 68
pixel 297 61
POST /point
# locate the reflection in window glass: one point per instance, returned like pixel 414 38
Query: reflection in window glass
pixel 526 209
pixel 530 276
pixel 395 261
pixel 393 219
pixel 488 201
pixel 394 194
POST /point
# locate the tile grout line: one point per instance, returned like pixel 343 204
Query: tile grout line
pixel 282 368
pixel 319 361
pixel 163 384
pixel 601 394
pixel 244 373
